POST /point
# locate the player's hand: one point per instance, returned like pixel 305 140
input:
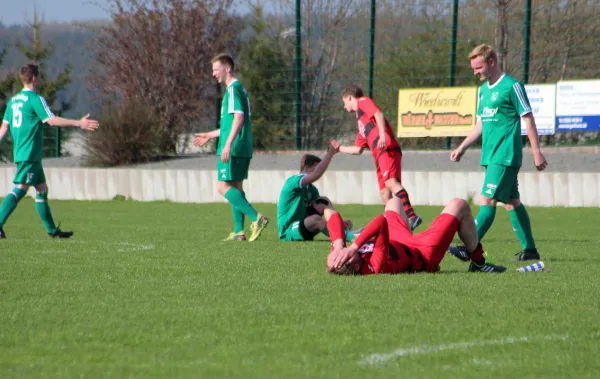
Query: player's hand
pixel 200 139
pixel 343 257
pixel 382 141
pixel 540 161
pixel 348 224
pixel 331 149
pixel 456 155
pixel 87 124
pixel 335 144
pixel 225 153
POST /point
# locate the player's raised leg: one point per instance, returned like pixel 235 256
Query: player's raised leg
pixel 467 233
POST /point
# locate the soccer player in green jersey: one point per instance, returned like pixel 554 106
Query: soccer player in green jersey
pixel 502 103
pixel 300 208
pixel 234 149
pixel 25 116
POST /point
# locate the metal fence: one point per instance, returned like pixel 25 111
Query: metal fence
pixel 384 46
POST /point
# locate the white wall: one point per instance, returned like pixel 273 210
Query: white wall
pixel 343 187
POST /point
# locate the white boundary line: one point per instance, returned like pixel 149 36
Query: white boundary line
pixel 379 359
pixel 123 247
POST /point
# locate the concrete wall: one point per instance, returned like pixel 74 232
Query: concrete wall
pixel 343 187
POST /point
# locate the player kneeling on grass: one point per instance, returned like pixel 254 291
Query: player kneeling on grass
pixel 300 207
pixel 387 246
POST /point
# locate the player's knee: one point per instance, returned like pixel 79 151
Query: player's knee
pixel 41 188
pixel 459 203
pixel 512 204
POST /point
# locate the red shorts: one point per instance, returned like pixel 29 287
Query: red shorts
pixel 432 243
pixel 388 165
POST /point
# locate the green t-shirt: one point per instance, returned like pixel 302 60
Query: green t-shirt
pixel 235 101
pixel 26 113
pixel 500 108
pixel 293 202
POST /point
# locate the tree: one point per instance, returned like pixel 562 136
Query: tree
pixel 38 53
pixel 157 53
pixel 264 71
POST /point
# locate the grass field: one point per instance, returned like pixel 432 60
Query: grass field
pixel 148 290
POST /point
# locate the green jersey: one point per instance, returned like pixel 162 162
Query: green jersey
pixel 235 101
pixel 26 113
pixel 500 108
pixel 293 202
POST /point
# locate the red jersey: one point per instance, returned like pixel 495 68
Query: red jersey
pixel 368 132
pixel 393 260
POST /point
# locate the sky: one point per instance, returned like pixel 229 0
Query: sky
pixel 18 11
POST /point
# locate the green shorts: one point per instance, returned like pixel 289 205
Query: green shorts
pixel 501 183
pixel 29 173
pixel 235 170
pixel 297 231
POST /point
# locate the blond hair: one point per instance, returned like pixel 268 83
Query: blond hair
pixel 484 51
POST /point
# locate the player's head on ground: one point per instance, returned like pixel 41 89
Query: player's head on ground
pixel 222 67
pixel 30 75
pixel 484 61
pixel 308 163
pixel 350 97
pixel 352 267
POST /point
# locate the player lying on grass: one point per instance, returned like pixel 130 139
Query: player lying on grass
pixel 375 133
pixel 387 246
pixel 300 207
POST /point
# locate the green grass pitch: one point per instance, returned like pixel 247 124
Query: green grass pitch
pixel 148 290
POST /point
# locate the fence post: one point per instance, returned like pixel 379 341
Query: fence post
pixel 372 47
pixel 298 74
pixel 452 56
pixel 526 41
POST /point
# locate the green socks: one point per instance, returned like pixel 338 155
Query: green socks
pixel 522 227
pixel 43 210
pixel 238 200
pixel 10 203
pixel 238 219
pixel 484 219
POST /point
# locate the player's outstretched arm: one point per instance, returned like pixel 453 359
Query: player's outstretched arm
pixel 354 150
pixel 469 139
pixel 201 138
pixel 84 123
pixel 538 158
pixel 321 167
pixel 3 130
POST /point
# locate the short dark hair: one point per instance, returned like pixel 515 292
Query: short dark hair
pixel 224 59
pixel 308 160
pixel 27 73
pixel 353 90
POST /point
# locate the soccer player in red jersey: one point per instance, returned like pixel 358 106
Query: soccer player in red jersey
pixel 387 246
pixel 375 133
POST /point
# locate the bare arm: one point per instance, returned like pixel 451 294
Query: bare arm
pixel 354 150
pixel 472 136
pixel 84 123
pixel 469 139
pixel 236 127
pixel 538 158
pixel 320 169
pixel 3 130
pixel 381 128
